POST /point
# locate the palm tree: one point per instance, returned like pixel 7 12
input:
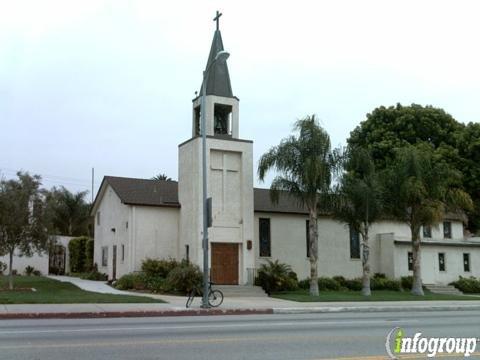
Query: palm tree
pixel 358 202
pixel 69 211
pixel 305 165
pixel 162 176
pixel 418 191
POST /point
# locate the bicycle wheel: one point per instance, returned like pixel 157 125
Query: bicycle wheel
pixel 190 298
pixel 215 298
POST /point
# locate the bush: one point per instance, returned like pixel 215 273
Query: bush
pixel 132 281
pixel 379 276
pixel 304 284
pixel 3 267
pixel 184 278
pixel 328 284
pixel 89 248
pixel 275 276
pixel 469 285
pixel 354 284
pixel 94 275
pixel 30 270
pixel 159 268
pixel 156 284
pixel 77 248
pixel 37 273
pixel 383 283
pixel 406 282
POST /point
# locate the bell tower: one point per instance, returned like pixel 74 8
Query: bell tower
pixel 229 179
pixel 221 107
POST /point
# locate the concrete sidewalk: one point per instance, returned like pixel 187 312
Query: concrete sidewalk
pixel 175 306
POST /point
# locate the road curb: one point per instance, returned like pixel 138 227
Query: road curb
pixel 120 314
pixel 322 310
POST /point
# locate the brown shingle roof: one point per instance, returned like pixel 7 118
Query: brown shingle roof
pixel 145 192
pixel 133 191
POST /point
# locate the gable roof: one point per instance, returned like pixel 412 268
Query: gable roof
pixel 162 193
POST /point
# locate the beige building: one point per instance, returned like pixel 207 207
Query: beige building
pixel 138 219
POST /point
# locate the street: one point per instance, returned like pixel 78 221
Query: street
pixel 306 336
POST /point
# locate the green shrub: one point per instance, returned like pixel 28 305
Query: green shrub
pixel 379 276
pixel 406 282
pixel 3 267
pixel 30 270
pixel 328 284
pixel 77 249
pixel 159 268
pixel 354 284
pixel 132 281
pixel 89 248
pixel 275 276
pixel 381 283
pixel 469 285
pixel 340 280
pixel 184 278
pixel 94 275
pixel 156 284
pixel 304 284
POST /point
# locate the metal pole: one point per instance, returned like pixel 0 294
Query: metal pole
pixel 204 202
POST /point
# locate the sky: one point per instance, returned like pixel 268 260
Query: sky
pixel 109 84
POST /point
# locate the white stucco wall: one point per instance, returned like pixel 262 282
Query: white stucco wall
pixel 155 234
pixel 234 223
pixel 38 261
pixel 113 215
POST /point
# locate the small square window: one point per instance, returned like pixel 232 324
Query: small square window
pixel 104 256
pixel 427 231
pixel 466 262
pixel 410 261
pixel 441 262
pixel 447 229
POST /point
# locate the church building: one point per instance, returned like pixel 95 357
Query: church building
pixel 137 219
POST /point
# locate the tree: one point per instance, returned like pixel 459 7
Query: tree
pixel 69 212
pixel 23 220
pixel 386 129
pixel 163 177
pixel 418 190
pixel 359 202
pixel 305 165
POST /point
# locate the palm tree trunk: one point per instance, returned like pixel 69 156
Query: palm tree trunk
pixel 10 271
pixel 366 291
pixel 313 252
pixel 417 288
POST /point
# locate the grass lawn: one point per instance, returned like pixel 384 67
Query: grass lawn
pixel 51 291
pixel 379 295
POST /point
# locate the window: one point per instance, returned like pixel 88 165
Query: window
pixel 354 244
pixel 307 236
pixel 126 225
pixel 447 229
pixel 187 253
pixel 264 233
pixel 123 253
pixel 410 261
pixel 441 262
pixel 197 121
pixel 427 231
pixel 104 256
pixel 98 217
pixel 222 116
pixel 466 262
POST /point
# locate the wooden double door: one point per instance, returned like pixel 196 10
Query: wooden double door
pixel 224 268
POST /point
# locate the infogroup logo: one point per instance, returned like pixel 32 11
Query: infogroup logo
pixel 397 343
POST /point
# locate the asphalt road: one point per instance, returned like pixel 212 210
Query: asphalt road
pixel 310 336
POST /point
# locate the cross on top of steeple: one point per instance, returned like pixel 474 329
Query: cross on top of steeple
pixel 217 19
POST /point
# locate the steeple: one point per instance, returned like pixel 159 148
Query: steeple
pixel 221 107
pixel 218 80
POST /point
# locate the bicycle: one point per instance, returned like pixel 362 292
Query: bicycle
pixel 215 297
